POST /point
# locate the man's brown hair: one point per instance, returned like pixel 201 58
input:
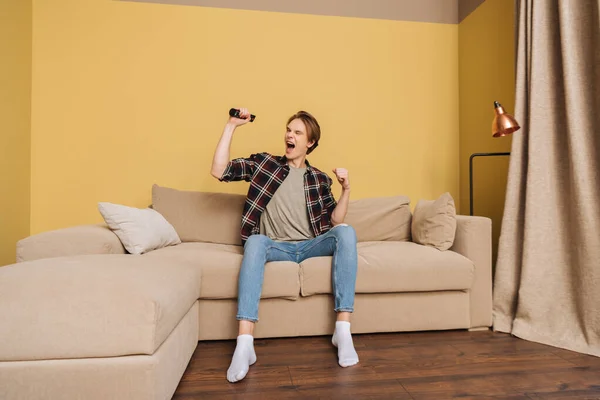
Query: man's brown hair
pixel 313 130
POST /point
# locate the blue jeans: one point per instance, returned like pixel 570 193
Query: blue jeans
pixel 339 242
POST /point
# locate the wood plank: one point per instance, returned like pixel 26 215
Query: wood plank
pixel 567 395
pixel 581 360
pixel 372 390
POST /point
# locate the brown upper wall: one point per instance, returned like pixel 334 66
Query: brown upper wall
pixel 436 11
pixel 466 7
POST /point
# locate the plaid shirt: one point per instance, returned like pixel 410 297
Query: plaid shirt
pixel 265 174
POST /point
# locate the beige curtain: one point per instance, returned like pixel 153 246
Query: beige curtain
pixel 547 281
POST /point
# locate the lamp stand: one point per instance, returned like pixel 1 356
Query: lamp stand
pixel 471 174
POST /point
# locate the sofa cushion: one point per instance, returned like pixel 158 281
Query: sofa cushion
pixel 92 306
pixel 201 216
pixel 392 267
pixel 434 222
pixel 392 214
pixel 220 266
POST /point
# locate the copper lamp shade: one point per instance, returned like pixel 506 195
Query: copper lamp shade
pixel 503 124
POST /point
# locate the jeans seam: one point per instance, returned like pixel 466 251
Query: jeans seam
pixel 313 245
pixel 272 246
pixel 335 271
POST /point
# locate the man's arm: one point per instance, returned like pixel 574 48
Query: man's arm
pixel 339 212
pixel 221 157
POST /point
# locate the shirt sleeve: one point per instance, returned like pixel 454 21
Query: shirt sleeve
pixel 328 200
pixel 240 169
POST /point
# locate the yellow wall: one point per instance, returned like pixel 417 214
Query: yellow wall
pixel 129 94
pixel 486 74
pixel 15 101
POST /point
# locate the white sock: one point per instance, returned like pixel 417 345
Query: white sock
pixel 243 357
pixel 342 339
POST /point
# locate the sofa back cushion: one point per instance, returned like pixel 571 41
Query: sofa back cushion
pixel 201 216
pixel 216 217
pixel 380 218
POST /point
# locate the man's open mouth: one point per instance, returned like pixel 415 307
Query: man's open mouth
pixel 290 145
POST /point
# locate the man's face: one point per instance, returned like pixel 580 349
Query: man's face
pixel 296 140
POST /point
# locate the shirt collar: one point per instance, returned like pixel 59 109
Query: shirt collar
pixel 283 161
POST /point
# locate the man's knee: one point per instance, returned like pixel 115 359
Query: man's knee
pixel 256 242
pixel 345 232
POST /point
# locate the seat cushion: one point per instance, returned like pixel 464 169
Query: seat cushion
pixel 393 267
pixel 220 265
pixel 92 306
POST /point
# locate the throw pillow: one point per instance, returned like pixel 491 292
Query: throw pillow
pixel 434 222
pixel 140 230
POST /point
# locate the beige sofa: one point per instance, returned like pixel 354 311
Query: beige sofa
pixel 81 319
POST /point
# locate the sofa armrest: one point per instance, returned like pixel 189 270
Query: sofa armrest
pixel 77 240
pixel 474 241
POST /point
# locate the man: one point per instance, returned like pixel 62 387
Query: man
pixel 290 214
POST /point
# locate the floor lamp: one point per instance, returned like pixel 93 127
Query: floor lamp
pixel 503 124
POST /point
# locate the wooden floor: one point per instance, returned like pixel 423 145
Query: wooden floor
pixel 436 365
